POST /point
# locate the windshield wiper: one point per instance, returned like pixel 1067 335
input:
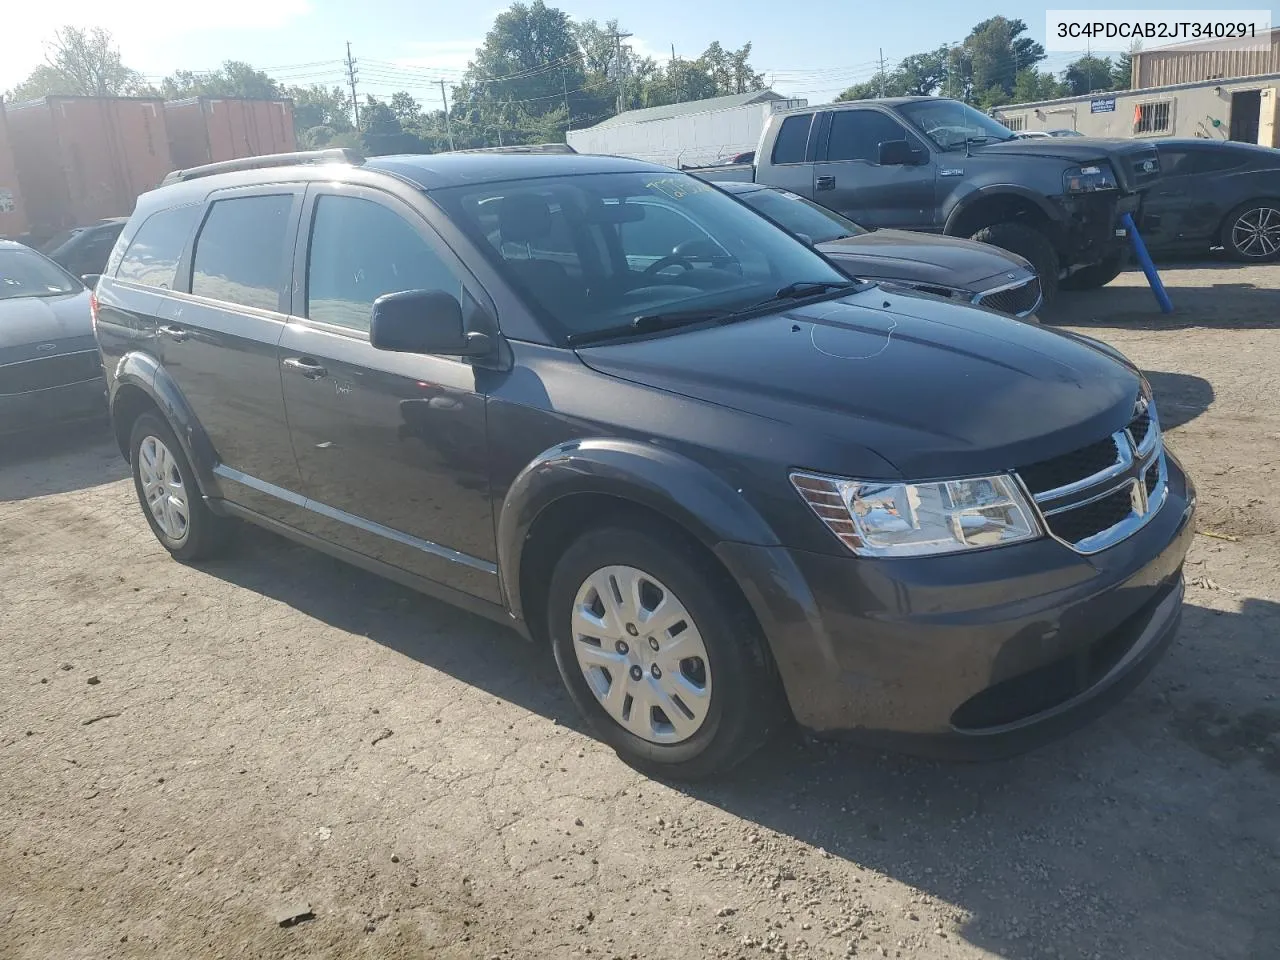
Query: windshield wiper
pixel 801 290
pixel 647 323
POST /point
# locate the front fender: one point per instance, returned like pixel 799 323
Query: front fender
pixel 142 371
pixel 966 196
pixel 645 474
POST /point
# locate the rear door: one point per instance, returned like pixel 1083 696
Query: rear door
pixel 218 337
pixel 391 446
pixel 849 179
pixel 1187 204
pixel 789 164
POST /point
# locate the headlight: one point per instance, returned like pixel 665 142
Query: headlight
pixel 877 519
pixel 1088 179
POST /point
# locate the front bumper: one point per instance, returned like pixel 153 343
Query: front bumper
pixel 1091 228
pixel 969 656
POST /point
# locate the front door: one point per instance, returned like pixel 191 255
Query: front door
pixel 218 336
pixel 849 180
pixel 391 446
pixel 1246 112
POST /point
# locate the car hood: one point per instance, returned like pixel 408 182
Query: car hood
pixel 27 323
pixel 1128 158
pixel 928 259
pixel 937 389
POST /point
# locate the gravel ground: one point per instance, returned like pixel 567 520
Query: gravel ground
pixel 189 755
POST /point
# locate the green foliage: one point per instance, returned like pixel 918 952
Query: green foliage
pixel 81 63
pixel 233 79
pixel 1032 85
pixel 1089 74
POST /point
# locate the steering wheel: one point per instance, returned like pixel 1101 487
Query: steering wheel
pixel 671 260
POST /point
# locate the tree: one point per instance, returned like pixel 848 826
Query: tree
pixel 316 106
pixel 921 74
pixel 1122 72
pixel 731 70
pixel 81 63
pixel 1032 85
pixel 991 56
pixel 530 56
pixel 405 109
pixel 233 79
pixel 1089 74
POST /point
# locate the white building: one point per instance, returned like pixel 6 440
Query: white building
pixel 690 134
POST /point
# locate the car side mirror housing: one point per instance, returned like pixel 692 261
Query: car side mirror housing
pixel 805 239
pixel 897 153
pixel 424 321
pixel 90 280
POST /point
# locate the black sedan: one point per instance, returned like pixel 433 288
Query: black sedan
pixel 951 267
pixel 84 249
pixel 50 370
pixel 1215 194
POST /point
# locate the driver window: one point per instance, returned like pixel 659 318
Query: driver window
pixel 857 134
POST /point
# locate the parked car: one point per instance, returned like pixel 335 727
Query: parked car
pixel 50 369
pixel 1215 193
pixel 725 495
pixel 84 250
pixel 1032 134
pixel 950 267
pixel 940 166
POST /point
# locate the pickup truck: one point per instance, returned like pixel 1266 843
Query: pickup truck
pixel 938 165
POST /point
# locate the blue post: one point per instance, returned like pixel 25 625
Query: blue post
pixel 1149 268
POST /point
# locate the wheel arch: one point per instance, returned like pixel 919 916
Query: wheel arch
pixel 997 204
pixel 573 486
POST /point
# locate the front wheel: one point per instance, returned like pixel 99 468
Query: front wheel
pixel 1030 244
pixel 1251 232
pixel 659 653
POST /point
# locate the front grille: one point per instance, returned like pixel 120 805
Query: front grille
pixel 1018 300
pixel 1097 495
pixel 1070 467
pixel 45 372
pixel 1084 522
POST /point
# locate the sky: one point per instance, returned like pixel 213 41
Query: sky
pixel 806 48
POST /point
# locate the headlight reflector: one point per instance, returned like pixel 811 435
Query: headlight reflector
pixel 879 519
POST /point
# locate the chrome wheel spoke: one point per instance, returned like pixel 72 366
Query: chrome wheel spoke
pixel 163 489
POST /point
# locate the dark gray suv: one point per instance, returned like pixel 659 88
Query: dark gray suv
pixel 729 485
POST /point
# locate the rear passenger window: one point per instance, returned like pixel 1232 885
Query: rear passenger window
pixel 793 138
pixel 361 250
pixel 240 256
pixel 153 255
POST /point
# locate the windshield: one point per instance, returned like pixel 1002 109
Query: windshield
pixel 799 215
pixel 24 273
pixel 593 251
pixel 950 123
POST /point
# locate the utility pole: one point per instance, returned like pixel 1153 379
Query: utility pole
pixel 882 72
pixel 351 76
pixel 673 53
pixel 568 114
pixel 618 37
pixel 447 128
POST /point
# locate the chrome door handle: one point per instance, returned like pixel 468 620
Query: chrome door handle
pixel 305 366
pixel 174 332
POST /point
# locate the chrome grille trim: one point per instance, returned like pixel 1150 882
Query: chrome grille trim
pixel 1129 472
pixel 1014 285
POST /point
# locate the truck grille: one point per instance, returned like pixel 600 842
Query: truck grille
pixel 1018 301
pixel 1096 496
pixel 46 372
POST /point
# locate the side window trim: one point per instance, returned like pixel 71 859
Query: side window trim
pixel 476 293
pixel 182 284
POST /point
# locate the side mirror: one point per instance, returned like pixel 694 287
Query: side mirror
pixel 90 280
pixel 424 321
pixel 896 153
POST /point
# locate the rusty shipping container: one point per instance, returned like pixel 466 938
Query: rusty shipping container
pixel 81 159
pixel 13 218
pixel 211 129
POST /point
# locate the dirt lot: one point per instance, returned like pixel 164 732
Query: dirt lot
pixel 184 752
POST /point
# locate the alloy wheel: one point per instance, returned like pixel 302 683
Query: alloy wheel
pixel 1256 232
pixel 641 654
pixel 163 489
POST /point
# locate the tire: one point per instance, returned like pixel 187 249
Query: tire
pixel 1030 244
pixel 723 655
pixel 1251 232
pixel 182 520
pixel 1098 275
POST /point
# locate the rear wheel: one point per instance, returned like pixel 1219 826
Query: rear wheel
pixel 1098 275
pixel 1252 231
pixel 659 653
pixel 168 493
pixel 1030 244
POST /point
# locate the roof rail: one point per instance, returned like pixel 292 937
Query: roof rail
pixel 522 148
pixel 334 155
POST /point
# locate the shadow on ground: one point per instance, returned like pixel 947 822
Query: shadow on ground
pixel 1237 305
pixel 1152 833
pixel 1180 397
pixel 54 461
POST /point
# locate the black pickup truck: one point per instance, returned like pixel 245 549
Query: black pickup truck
pixel 938 165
